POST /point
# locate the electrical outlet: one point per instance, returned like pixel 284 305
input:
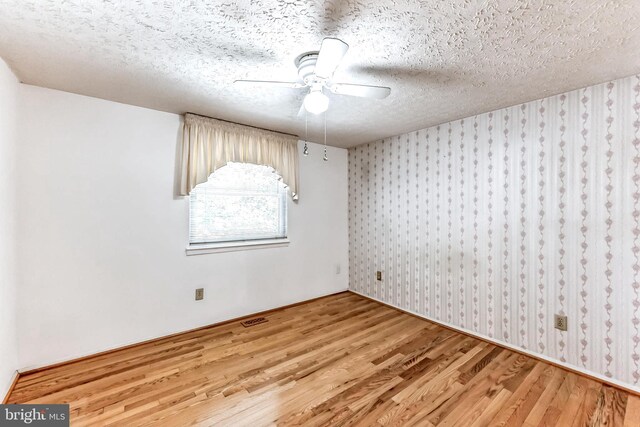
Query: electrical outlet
pixel 199 294
pixel 379 275
pixel 338 269
pixel 560 322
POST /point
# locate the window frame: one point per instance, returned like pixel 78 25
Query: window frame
pixel 198 248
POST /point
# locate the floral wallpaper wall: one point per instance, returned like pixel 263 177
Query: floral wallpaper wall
pixel 495 223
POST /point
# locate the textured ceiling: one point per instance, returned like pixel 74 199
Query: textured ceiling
pixel 443 59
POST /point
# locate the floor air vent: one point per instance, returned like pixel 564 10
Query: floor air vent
pixel 254 321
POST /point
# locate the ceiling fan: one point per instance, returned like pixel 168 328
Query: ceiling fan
pixel 315 70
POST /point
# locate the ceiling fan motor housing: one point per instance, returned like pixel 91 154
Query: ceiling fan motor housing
pixel 306 64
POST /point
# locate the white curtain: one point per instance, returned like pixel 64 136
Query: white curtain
pixel 209 144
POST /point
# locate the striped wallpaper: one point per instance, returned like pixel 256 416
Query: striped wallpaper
pixel 495 223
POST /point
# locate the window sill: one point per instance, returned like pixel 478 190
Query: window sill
pixel 212 248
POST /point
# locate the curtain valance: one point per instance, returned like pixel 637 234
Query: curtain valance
pixel 209 144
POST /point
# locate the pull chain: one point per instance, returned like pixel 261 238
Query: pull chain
pixel 305 150
pixel 325 158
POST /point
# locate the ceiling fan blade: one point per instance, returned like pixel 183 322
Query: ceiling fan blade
pixel 291 85
pixel 331 53
pixel 365 91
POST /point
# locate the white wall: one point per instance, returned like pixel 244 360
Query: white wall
pixel 8 338
pixel 102 238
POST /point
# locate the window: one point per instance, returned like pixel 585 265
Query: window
pixel 240 202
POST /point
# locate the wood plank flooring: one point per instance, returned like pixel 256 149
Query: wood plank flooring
pixel 340 360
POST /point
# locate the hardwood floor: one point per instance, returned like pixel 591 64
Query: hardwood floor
pixel 340 360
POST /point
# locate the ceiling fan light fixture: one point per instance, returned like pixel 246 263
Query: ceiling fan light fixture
pixel 316 102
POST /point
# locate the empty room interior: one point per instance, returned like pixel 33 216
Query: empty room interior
pixel 319 213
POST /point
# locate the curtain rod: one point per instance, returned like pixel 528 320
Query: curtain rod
pixel 242 124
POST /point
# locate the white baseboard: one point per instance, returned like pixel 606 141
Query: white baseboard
pixel 621 384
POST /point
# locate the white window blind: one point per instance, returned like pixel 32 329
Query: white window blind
pixel 239 202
